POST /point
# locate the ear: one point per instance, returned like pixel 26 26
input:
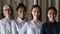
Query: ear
pixel 31 12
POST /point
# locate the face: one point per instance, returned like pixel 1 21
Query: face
pixel 7 11
pixel 21 12
pixel 51 14
pixel 36 12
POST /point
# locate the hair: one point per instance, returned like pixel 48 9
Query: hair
pixel 34 6
pixel 52 8
pixel 21 5
pixel 12 13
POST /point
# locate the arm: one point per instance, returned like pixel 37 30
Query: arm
pixel 0 27
pixel 14 28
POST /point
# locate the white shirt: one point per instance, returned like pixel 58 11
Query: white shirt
pixel 24 29
pixel 32 28
pixel 6 26
pixel 20 24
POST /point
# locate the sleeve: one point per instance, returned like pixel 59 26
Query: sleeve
pixel 14 28
pixel 43 29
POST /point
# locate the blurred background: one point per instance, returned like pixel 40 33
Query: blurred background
pixel 44 4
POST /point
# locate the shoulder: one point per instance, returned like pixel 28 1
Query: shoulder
pixel 14 22
pixel 30 22
pixel 45 24
pixel 2 20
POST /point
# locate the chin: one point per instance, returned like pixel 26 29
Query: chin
pixel 22 17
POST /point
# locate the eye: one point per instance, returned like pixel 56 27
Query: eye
pixel 50 13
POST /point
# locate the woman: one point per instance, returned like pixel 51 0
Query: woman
pixel 6 23
pixel 20 21
pixel 34 25
pixel 52 26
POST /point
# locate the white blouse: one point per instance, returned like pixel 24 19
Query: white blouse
pixel 32 28
pixel 19 23
pixel 6 26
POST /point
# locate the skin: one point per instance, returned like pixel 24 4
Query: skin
pixel 51 15
pixel 7 11
pixel 21 13
pixel 36 13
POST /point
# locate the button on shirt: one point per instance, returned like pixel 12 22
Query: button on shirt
pixel 50 28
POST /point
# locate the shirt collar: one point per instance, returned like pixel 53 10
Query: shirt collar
pixel 35 24
pixel 8 18
pixel 20 19
pixel 52 22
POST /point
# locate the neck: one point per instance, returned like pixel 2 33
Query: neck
pixel 51 20
pixel 8 17
pixel 36 20
pixel 22 18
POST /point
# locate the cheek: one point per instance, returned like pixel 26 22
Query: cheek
pixel 38 14
pixel 49 16
pixel 5 12
pixel 32 13
pixel 18 13
pixel 54 15
pixel 10 12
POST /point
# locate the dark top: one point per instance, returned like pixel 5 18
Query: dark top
pixel 50 28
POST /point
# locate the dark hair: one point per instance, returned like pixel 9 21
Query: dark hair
pixel 52 8
pixel 34 6
pixel 21 5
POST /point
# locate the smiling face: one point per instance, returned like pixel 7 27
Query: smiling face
pixel 35 12
pixel 51 15
pixel 21 12
pixel 7 11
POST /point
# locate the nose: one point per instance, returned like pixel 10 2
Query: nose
pixel 36 12
pixel 23 12
pixel 52 15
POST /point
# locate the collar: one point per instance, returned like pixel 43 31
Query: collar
pixel 20 19
pixel 32 22
pixel 52 22
pixel 8 18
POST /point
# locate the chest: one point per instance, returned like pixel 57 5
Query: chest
pixel 33 29
pixel 51 28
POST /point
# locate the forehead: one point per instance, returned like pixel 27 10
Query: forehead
pixel 6 7
pixel 21 8
pixel 36 8
pixel 53 11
